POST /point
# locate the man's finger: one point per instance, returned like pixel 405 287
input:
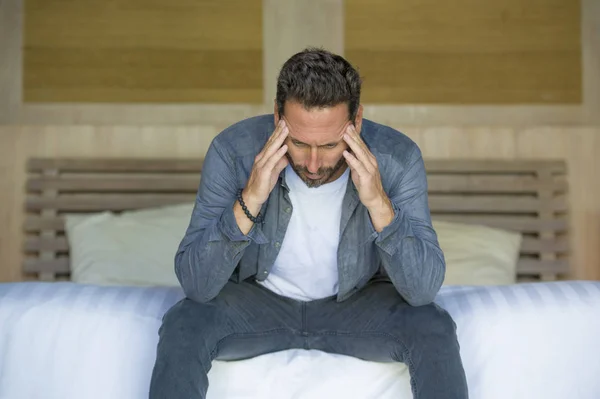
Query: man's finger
pixel 274 146
pixel 368 155
pixel 355 164
pixel 277 130
pixel 272 161
pixel 272 137
pixel 281 164
pixel 359 152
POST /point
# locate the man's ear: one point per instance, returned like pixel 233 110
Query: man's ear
pixel 358 118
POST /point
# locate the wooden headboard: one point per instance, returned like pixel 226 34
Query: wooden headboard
pixel 525 196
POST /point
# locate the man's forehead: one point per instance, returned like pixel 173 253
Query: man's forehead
pixel 303 131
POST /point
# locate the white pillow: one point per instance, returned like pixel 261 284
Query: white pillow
pixel 138 248
pixel 131 248
pixel 478 255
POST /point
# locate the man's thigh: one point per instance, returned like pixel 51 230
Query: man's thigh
pixel 375 324
pixel 243 321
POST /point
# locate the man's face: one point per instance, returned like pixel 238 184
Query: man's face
pixel 315 141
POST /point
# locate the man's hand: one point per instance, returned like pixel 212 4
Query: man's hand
pixel 268 164
pixel 366 178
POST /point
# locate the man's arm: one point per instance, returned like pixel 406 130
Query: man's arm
pixel 220 230
pixel 401 222
pixel 408 245
pixel 213 243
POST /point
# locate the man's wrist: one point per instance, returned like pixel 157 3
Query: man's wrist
pixel 252 205
pixel 382 213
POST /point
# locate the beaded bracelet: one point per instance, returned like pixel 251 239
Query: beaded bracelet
pixel 258 219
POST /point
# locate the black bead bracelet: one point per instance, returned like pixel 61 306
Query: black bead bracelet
pixel 258 219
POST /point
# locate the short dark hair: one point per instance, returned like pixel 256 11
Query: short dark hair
pixel 318 78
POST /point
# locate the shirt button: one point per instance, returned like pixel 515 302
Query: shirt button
pixel 265 272
pixel 288 209
pixel 277 244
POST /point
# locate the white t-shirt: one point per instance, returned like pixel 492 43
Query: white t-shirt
pixel 306 267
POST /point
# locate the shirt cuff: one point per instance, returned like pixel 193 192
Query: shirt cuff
pixel 391 235
pixel 228 226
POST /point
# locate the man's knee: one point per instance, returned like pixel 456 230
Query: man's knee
pixel 437 321
pixel 427 324
pixel 186 325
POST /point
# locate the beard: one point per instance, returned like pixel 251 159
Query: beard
pixel 325 173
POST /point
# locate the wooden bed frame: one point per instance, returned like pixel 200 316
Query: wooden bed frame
pixel 526 196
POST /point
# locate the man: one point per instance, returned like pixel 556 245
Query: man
pixel 311 229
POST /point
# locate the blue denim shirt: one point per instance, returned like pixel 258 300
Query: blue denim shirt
pixel 215 251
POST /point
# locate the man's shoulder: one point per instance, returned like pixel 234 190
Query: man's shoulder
pixel 388 143
pixel 246 136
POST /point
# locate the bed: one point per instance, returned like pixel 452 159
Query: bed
pixel 525 329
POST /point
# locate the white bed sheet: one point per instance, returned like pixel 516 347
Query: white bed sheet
pixel 71 341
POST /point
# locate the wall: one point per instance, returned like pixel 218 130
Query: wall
pixel 565 131
pixel 287 27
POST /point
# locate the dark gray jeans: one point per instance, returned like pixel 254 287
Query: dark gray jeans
pixel 247 320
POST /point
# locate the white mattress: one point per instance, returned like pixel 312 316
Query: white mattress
pixel 69 341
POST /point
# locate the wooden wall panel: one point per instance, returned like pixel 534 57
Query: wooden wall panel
pixel 10 61
pixel 590 35
pixel 466 51
pixel 143 51
pixel 579 146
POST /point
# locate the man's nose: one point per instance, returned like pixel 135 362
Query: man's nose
pixel 313 161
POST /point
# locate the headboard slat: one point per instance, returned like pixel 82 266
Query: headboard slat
pixel 488 183
pixel 493 204
pixel 492 165
pixel 111 184
pixel 101 202
pixel 36 223
pixel 58 265
pixel 537 245
pixel 115 165
pixel 534 266
pixel 523 224
pixel 55 244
